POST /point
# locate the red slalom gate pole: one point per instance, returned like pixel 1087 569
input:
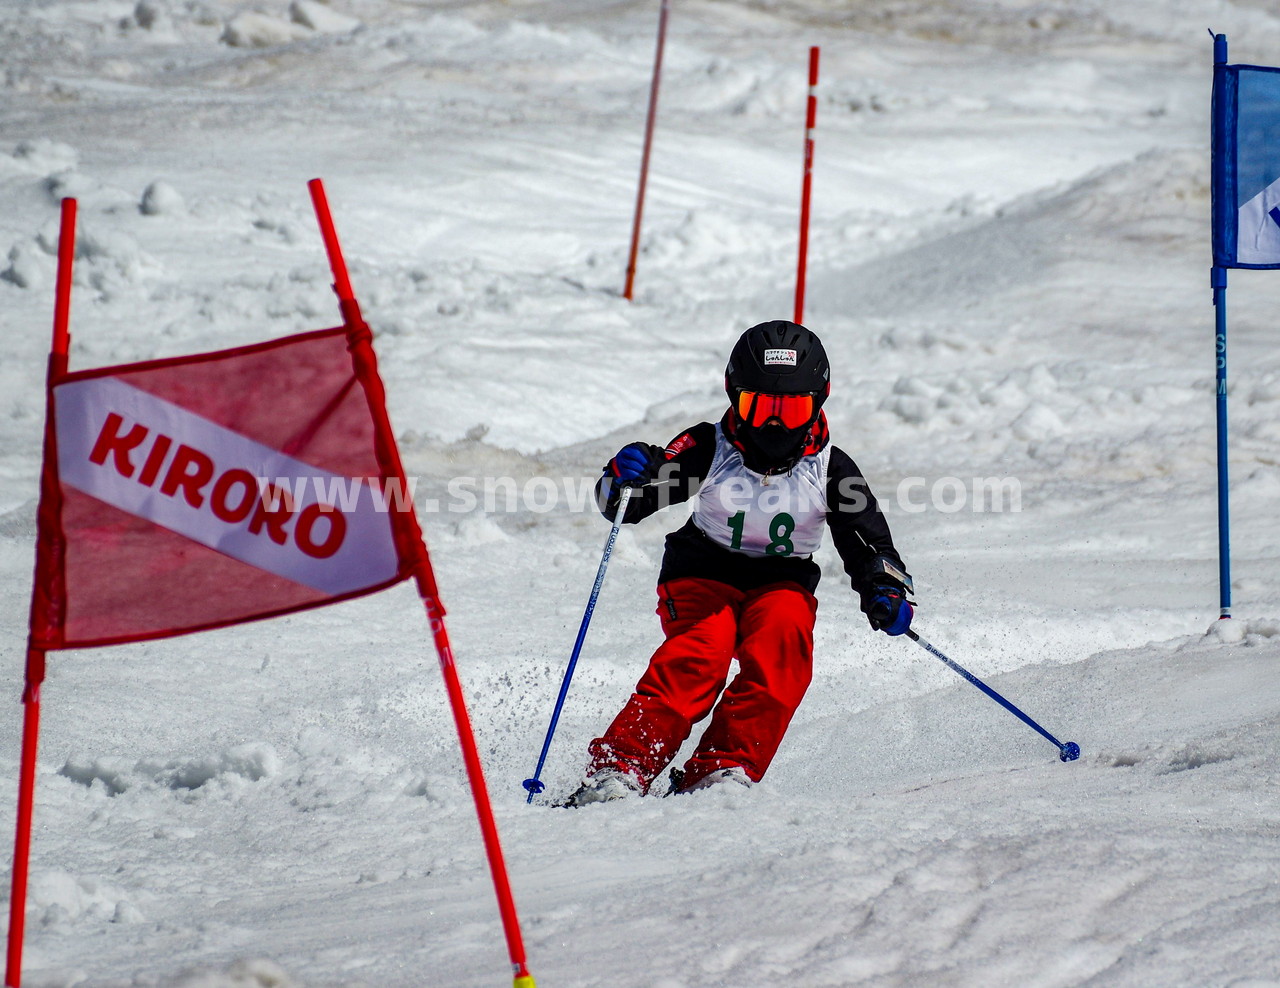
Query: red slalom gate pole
pixel 628 290
pixel 337 264
pixel 810 122
pixel 58 356
pixel 415 547
pixel 26 807
pixel 475 772
pixel 62 300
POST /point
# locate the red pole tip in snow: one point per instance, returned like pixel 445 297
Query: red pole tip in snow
pixel 62 300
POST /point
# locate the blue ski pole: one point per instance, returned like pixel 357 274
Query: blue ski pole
pixel 535 785
pixel 1067 752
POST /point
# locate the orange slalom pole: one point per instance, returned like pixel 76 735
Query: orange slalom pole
pixel 35 671
pixel 425 579
pixel 811 120
pixel 629 289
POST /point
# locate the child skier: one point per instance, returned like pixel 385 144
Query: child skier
pixel 737 579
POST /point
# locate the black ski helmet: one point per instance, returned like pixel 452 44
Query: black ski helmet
pixel 777 358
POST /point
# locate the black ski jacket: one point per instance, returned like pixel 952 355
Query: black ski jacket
pixel 858 528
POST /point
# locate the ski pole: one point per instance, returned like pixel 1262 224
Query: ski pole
pixel 535 785
pixel 1067 752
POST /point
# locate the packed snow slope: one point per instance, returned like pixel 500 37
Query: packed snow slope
pixel 1009 259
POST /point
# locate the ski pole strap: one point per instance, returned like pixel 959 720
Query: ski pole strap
pixel 535 785
pixel 1067 752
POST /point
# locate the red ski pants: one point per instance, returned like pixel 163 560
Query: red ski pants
pixel 708 624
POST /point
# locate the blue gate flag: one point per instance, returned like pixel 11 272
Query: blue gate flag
pixel 1246 166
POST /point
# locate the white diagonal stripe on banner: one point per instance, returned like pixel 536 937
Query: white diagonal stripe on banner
pixel 1258 229
pixel 159 461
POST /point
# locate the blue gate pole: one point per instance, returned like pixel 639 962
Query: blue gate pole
pixel 1219 281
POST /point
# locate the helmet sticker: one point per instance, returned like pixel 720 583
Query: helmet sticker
pixel 775 357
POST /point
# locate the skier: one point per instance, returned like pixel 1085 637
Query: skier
pixel 737 580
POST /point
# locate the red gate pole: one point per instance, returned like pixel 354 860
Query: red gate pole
pixel 26 806
pixel 648 147
pixel 409 539
pixel 475 772
pixel 36 654
pixel 810 122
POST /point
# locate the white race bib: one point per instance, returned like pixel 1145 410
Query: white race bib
pixel 778 515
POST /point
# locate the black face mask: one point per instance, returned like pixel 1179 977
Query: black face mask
pixel 772 446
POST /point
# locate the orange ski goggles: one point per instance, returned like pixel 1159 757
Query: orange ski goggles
pixel 755 408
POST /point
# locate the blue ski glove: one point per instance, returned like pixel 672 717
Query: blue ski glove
pixel 636 464
pixel 886 606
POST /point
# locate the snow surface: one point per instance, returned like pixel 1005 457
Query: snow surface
pixel 1009 259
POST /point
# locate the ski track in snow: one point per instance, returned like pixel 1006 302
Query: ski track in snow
pixel 1008 266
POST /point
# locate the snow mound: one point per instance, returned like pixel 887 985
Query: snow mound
pixel 110 260
pixel 744 91
pixel 478 528
pixel 29 267
pixel 19 522
pixel 241 974
pixel 45 157
pixel 161 199
pixel 254 30
pixel 150 15
pixel 1037 421
pixel 237 765
pixel 704 239
pixel 1250 631
pixel 1018 401
pixel 321 18
pixel 60 897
